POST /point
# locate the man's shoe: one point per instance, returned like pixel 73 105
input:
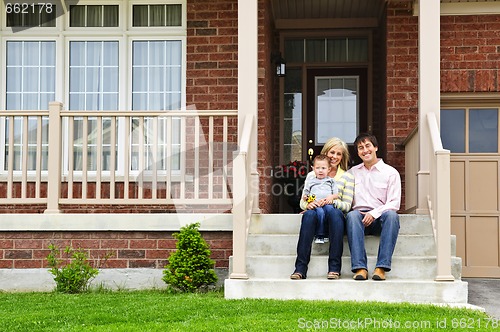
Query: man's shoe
pixel 361 274
pixel 378 274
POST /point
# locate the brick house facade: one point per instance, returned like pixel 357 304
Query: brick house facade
pixel 469 64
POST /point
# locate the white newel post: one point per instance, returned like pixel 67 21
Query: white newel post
pixel 247 108
pixel 428 89
pixel 54 162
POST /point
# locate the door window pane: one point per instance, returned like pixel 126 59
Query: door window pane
pixel 294 50
pixel 315 50
pixel 336 108
pixel 336 50
pixel 357 50
pixel 483 130
pixel 453 130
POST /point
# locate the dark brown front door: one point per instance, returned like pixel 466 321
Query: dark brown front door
pixel 336 106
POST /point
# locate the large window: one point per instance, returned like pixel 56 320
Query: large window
pixel 470 130
pixel 90 67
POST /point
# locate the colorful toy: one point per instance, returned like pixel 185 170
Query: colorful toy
pixel 311 198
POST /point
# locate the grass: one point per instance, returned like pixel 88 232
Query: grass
pixel 160 311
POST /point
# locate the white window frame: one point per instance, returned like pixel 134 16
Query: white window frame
pixel 125 34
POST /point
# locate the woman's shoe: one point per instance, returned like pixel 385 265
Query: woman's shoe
pixel 296 276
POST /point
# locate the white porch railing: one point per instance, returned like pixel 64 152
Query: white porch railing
pixel 439 200
pixel 244 196
pixel 438 197
pixel 58 157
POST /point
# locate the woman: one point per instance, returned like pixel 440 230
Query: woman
pixel 335 209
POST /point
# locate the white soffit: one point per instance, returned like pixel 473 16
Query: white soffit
pixel 468 7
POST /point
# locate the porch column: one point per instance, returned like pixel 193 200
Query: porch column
pixel 247 111
pixel 248 84
pixel 428 90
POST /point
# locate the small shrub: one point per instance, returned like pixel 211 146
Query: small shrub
pixel 73 273
pixel 190 267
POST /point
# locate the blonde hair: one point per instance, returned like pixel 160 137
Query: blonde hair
pixel 336 142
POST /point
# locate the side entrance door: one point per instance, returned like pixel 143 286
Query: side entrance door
pixel 337 106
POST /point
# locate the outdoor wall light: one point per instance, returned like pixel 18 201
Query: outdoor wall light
pixel 280 64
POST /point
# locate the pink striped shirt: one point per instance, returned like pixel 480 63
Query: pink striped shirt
pixel 376 190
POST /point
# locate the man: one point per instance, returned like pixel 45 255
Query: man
pixel 377 197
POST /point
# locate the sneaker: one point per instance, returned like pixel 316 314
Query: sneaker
pixel 326 240
pixel 319 240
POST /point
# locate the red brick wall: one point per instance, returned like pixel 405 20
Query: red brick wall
pixel 212 70
pixel 266 125
pixel 470 53
pixel 402 82
pixel 129 249
pixel 212 54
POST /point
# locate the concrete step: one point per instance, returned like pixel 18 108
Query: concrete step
pixel 403 267
pixel 393 290
pixel 271 254
pixel 290 224
pixel 286 244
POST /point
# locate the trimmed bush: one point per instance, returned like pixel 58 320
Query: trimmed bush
pixel 190 267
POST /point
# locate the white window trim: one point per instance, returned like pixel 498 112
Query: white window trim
pixel 125 34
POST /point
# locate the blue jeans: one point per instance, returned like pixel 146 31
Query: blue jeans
pixel 320 220
pixel 387 226
pixel 335 221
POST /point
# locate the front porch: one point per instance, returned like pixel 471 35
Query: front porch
pixel 118 163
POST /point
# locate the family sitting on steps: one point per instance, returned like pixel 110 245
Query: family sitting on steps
pixel 363 200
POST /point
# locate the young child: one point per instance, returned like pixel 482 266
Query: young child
pixel 317 188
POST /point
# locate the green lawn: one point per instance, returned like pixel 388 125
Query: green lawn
pixel 160 311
